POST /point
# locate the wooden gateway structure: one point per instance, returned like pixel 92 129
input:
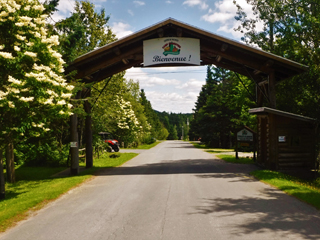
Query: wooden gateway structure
pixel 265 69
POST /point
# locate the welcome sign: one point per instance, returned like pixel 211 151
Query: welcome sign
pixel 171 50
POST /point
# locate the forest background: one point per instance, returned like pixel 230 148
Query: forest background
pixel 290 30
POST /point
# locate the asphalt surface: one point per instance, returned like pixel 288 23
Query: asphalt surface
pixel 172 191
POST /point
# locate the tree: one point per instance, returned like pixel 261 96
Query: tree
pixel 83 31
pixel 117 109
pixel 127 124
pixel 173 134
pixel 295 36
pixel 157 129
pixel 225 109
pixel 33 91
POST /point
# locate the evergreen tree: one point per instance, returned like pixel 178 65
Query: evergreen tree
pixel 83 31
pixel 224 110
pixel 157 129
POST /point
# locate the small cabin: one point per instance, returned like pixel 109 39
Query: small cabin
pixel 285 140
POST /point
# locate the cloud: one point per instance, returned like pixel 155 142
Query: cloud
pixel 157 81
pixel 147 80
pixel 218 17
pixel 131 12
pixel 169 2
pixel 65 8
pixel 191 3
pixel 193 85
pixel 139 3
pixel 224 12
pixel 178 103
pixel 121 29
pixel 167 93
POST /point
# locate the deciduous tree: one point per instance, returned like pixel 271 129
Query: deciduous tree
pixel 33 90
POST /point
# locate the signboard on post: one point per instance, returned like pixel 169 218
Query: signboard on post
pixel 245 140
pixel 171 50
pixel 73 144
pixel 245 136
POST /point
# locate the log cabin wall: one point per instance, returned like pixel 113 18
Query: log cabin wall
pixel 285 140
pixel 262 140
pixel 298 148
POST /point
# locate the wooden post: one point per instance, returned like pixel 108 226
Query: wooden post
pixel 2 183
pixel 74 145
pixel 272 90
pixel 237 156
pixel 259 96
pixel 88 132
pixel 273 144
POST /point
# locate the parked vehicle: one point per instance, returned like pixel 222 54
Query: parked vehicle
pixel 112 143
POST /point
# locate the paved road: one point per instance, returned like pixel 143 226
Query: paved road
pixel 172 192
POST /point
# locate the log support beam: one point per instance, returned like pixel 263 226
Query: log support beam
pixel 88 130
pixel 74 145
pixel 272 89
pixel 74 142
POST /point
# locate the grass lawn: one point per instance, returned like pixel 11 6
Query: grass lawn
pixel 232 159
pixel 146 146
pixel 35 187
pixel 211 150
pixel 199 145
pixel 307 191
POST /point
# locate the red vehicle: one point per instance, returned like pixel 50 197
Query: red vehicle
pixel 108 138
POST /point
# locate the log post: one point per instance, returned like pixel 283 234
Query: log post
pixel 272 90
pixel 273 144
pixel 74 145
pixel 88 131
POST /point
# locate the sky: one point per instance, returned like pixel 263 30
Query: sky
pixel 170 89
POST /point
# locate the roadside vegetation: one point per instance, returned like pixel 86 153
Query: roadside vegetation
pixel 231 159
pixel 306 190
pixel 37 186
pixel 36 92
pixel 148 146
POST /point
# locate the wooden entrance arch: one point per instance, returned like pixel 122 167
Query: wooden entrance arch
pixel 264 68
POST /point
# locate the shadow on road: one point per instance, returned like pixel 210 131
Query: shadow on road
pixel 262 214
pixel 202 168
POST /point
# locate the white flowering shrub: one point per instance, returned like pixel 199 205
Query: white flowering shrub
pixel 128 126
pixel 32 90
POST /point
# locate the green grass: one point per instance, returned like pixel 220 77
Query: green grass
pixel 232 159
pixel 219 150
pixel 211 150
pixel 35 187
pixel 199 145
pixel 146 146
pixel 306 191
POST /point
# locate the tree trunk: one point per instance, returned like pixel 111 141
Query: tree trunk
pixel 11 178
pixel 2 183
